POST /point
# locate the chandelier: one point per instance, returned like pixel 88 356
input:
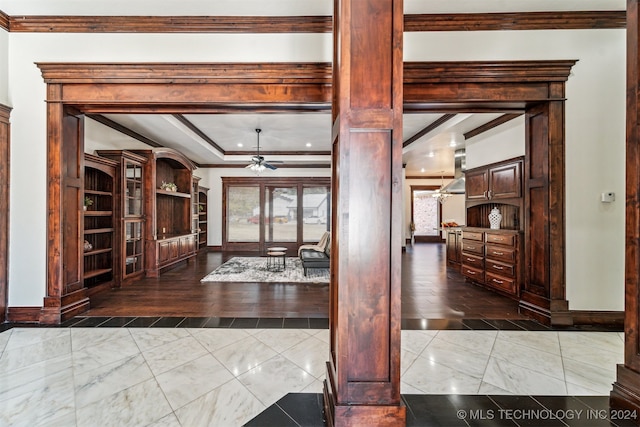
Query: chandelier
pixel 439 194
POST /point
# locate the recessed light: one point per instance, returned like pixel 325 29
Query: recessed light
pixel 422 170
pixel 452 144
pixel 431 154
pixel 240 144
pixel 308 144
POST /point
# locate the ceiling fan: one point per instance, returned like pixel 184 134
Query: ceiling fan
pixel 258 163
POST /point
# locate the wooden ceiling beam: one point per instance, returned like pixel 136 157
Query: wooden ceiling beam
pixel 123 129
pixel 436 124
pixel 490 125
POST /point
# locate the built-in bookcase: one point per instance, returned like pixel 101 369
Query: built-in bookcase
pixel 99 224
pixel 202 217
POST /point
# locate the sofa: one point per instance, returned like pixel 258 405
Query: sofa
pixel 316 256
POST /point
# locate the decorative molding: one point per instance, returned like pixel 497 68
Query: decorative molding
pixel 556 20
pixel 5 21
pixel 5 112
pixel 611 319
pixel 490 125
pixel 279 166
pixel 429 177
pixel 195 129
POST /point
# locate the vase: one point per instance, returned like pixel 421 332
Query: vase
pixel 495 217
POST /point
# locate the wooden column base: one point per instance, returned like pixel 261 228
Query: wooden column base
pixel 626 391
pixel 359 415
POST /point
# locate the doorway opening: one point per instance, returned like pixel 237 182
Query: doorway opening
pixel 426 215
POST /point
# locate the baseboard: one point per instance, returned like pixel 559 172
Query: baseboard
pixel 614 319
pixel 626 392
pixel 215 248
pixel 23 314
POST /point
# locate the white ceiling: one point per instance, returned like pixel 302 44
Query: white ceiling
pixel 291 132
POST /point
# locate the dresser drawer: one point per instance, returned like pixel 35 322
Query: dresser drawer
pixel 501 239
pixel 472 261
pixel 502 283
pixel 473 235
pixel 472 246
pixel 501 253
pixel 508 270
pixel 472 273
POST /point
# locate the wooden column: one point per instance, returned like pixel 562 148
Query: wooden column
pixel 4 206
pixel 363 373
pixel 626 389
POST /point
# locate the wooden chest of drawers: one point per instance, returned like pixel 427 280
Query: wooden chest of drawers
pixel 492 258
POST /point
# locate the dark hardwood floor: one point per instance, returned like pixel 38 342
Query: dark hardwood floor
pixel 430 290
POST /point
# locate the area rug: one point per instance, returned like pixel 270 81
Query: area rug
pixel 254 269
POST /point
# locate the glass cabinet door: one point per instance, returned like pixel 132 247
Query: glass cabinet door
pixel 134 242
pixel 133 189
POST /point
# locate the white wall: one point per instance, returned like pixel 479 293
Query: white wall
pixel 594 129
pixel 595 142
pixel 4 67
pixel 214 181
pixel 500 143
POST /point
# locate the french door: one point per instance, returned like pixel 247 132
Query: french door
pixel 259 213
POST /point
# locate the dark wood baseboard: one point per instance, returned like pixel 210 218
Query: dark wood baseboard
pixel 614 319
pixel 217 248
pixel 24 314
pixel 626 391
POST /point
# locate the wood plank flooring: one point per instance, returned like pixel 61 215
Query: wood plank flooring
pixel 430 290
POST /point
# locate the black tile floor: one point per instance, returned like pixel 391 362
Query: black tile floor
pixel 305 409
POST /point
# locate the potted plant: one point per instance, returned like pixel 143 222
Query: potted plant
pixel 87 202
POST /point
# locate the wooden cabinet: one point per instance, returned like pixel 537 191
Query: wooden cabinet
pixel 99 224
pixel 130 211
pixel 454 247
pixel 493 258
pixel 171 223
pixel 495 182
pixel 202 217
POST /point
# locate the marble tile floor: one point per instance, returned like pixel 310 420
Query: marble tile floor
pixel 227 377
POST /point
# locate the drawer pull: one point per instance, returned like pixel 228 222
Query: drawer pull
pixel 498 239
pixel 471 247
pixel 470 259
pixel 498 281
pixel 497 253
pixel 497 267
pixel 471 272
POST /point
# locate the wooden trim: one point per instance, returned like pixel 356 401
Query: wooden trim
pixel 5 176
pixel 4 21
pixel 436 124
pixel 195 129
pixel 612 319
pixel 170 24
pixel 430 177
pixel 123 129
pixel 556 20
pixel 23 314
pixel 490 125
pixel 552 20
pixel 278 153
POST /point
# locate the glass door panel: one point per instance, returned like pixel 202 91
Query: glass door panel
pixel 243 214
pixel 315 212
pixel 134 247
pixel 133 190
pixel 280 214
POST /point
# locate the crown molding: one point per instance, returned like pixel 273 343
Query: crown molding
pixel 557 20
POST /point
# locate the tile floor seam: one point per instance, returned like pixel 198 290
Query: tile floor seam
pixel 486 366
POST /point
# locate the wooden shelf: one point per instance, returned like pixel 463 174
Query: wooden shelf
pixel 98 231
pixel 95 273
pixel 97 192
pixel 98 213
pixel 98 251
pixel 173 193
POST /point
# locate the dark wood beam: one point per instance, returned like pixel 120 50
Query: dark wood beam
pixel 4 21
pixel 429 177
pixel 195 129
pixel 490 125
pixel 556 20
pixel 279 166
pixel 436 124
pixel 123 129
pixel 278 153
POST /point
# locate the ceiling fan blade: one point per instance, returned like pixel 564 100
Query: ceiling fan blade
pixel 268 166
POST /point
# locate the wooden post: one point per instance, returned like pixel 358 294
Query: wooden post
pixel 626 389
pixel 363 373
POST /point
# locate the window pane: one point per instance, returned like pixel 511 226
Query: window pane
pixel 315 216
pixel 280 211
pixel 243 214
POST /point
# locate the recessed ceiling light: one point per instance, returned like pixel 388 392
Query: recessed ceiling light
pixel 240 144
pixel 452 144
pixel 422 170
pixel 431 154
pixel 308 144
